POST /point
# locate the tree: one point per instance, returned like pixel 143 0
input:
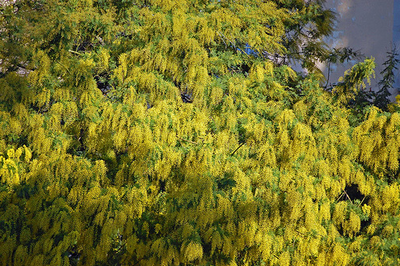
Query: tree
pixel 390 65
pixel 144 133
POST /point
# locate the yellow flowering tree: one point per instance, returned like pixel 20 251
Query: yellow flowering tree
pixel 164 133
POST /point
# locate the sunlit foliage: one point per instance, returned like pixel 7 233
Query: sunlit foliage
pixel 163 133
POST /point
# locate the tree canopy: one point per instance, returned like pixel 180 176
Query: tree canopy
pixel 162 132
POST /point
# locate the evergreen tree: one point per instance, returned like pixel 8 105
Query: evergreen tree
pixel 388 73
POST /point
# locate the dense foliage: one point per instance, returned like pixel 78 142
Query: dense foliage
pixel 162 132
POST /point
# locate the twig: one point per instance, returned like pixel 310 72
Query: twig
pixel 362 201
pixel 222 38
pixel 339 197
pixel 237 148
pixel 66 68
pixel 100 40
pixel 74 52
pixel 348 196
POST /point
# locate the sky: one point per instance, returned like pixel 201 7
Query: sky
pixel 370 26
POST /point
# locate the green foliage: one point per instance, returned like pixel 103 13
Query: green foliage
pixel 144 133
pixel 388 73
pixel 308 23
